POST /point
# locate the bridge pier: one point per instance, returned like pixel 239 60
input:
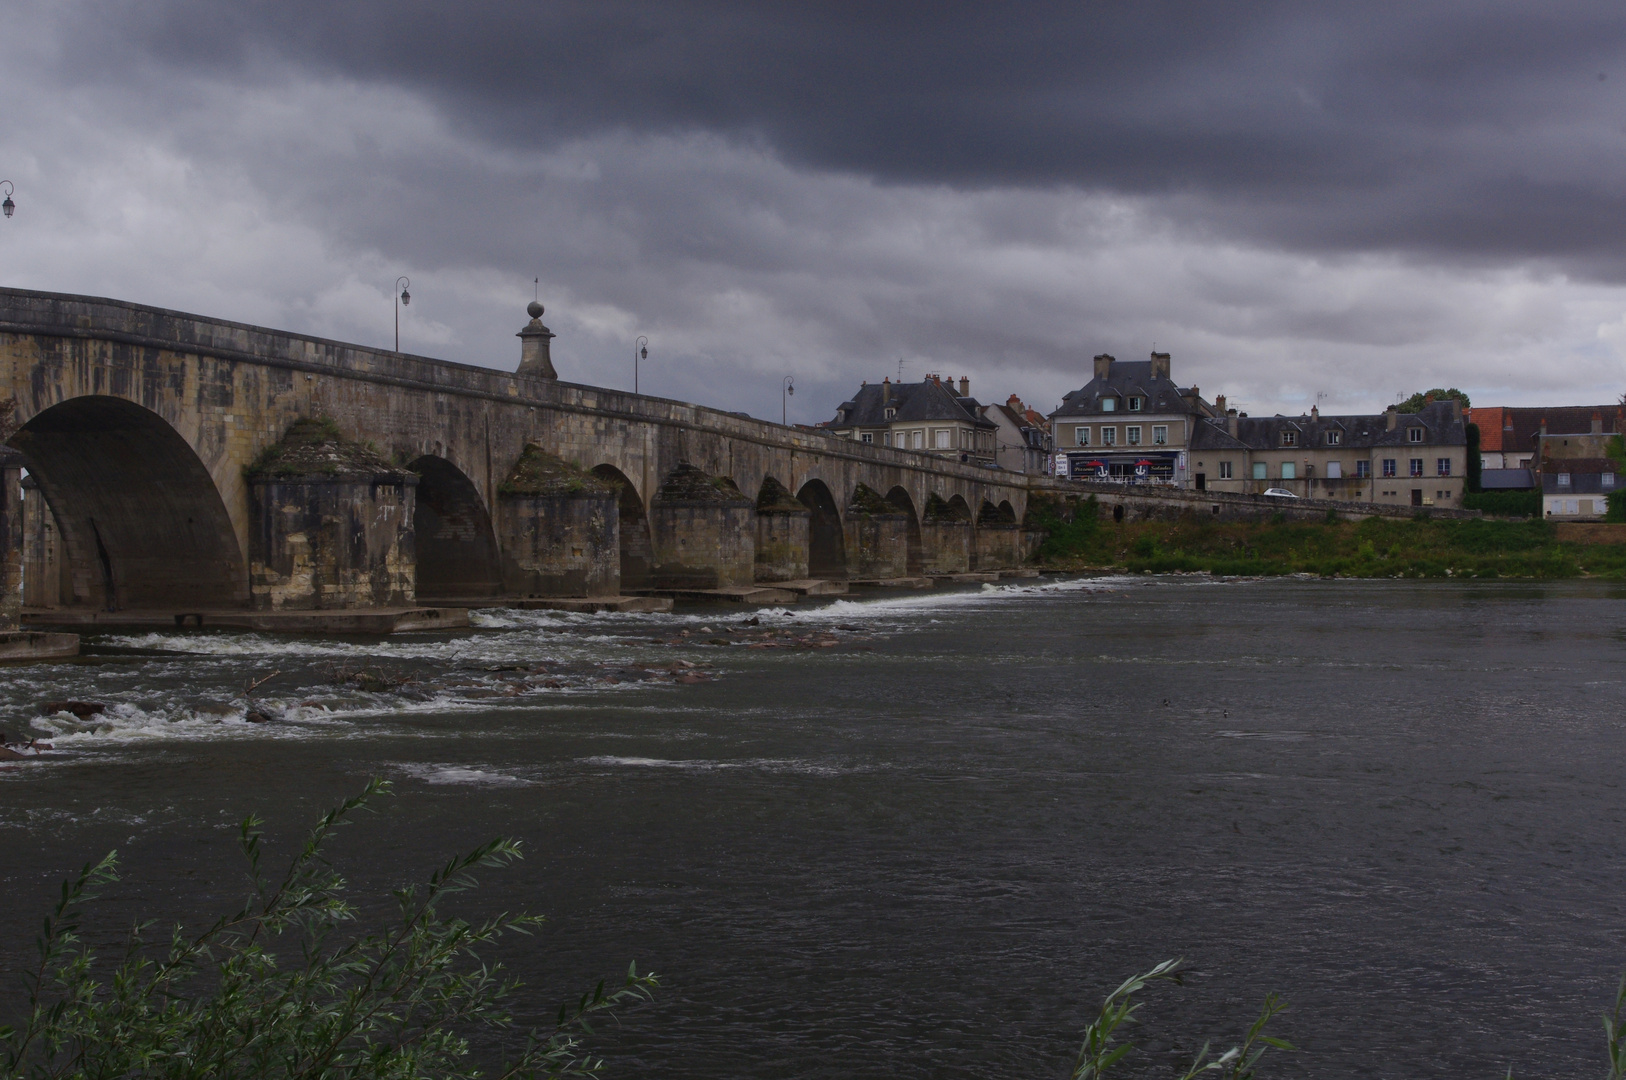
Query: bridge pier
pixel 877 537
pixel 704 532
pixel 783 534
pixel 946 542
pixel 331 525
pixel 560 530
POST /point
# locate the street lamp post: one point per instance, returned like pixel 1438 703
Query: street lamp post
pixel 8 206
pixel 640 351
pixel 402 283
pixel 787 388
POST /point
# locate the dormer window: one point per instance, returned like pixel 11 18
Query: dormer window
pixel 890 413
pixel 1415 434
pixel 1109 404
pixel 1334 438
pixel 1290 438
pixel 1135 404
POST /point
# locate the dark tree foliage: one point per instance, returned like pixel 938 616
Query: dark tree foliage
pixel 1416 402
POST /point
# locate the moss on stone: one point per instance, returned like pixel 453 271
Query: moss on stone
pixel 538 473
pixel 690 484
pixel 869 502
pixel 776 499
pixel 315 447
pixel 939 509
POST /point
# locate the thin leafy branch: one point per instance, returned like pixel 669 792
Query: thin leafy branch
pixel 283 986
pixel 1102 1049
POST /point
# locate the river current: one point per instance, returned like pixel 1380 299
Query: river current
pixel 921 835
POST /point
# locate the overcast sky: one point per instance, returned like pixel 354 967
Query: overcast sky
pixel 1295 200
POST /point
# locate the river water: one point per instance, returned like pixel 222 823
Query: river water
pixel 922 835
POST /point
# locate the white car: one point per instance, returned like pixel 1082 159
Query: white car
pixel 1279 493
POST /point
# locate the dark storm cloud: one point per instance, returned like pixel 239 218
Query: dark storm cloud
pixel 1455 131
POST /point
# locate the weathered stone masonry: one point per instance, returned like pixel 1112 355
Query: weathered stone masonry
pixel 139 427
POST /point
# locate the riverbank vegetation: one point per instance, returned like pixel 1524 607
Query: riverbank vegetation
pixel 287 986
pixel 1082 537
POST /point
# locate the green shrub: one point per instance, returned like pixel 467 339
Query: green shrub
pixel 283 987
pixel 1504 503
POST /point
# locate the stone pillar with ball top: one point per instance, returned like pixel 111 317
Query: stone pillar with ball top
pixel 534 348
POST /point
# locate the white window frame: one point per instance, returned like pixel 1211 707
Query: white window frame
pixel 1290 438
pixel 1335 438
pixel 1081 435
pixel 1563 479
pixel 920 438
pixel 1135 404
pixel 1225 470
pixel 1160 434
pixel 1442 466
pixel 1132 435
pixel 940 439
pixel 868 437
pixel 1414 434
pixel 1109 436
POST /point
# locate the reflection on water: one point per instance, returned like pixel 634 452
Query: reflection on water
pixel 921 835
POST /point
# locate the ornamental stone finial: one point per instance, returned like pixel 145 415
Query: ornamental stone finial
pixel 534 349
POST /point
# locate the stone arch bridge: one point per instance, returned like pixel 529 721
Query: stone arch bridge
pixel 146 435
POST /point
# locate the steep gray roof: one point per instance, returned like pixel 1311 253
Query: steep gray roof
pixel 926 400
pixel 1126 378
pixel 1441 428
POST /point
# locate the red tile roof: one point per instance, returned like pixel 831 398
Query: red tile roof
pixel 1502 429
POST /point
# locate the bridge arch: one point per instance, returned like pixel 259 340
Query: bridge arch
pixel 142 520
pixel 457 546
pixel 826 544
pixel 899 498
pixel 637 549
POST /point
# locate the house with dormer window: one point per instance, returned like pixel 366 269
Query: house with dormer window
pixel 1416 459
pixel 928 416
pixel 1131 422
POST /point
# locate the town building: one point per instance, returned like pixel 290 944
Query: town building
pixel 928 416
pixel 1507 437
pixel 1130 422
pixel 1022 437
pixel 1399 458
pixel 1579 469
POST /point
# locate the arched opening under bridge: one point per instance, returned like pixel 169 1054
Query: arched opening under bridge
pixel 637 550
pixel 457 547
pixel 139 516
pixel 900 498
pixel 826 546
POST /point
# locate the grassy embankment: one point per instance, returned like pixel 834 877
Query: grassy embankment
pixel 1081 538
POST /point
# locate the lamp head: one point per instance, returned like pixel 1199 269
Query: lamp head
pixel 8 206
pixel 643 353
pixel 406 297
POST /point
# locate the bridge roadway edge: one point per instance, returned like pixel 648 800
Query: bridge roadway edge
pixel 189 371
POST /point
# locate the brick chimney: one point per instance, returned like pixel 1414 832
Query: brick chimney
pixel 1391 416
pixel 1160 365
pixel 1103 366
pixel 1219 403
pixel 1230 422
pixel 1315 412
pixel 886 390
pixel 965 386
pixel 534 351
